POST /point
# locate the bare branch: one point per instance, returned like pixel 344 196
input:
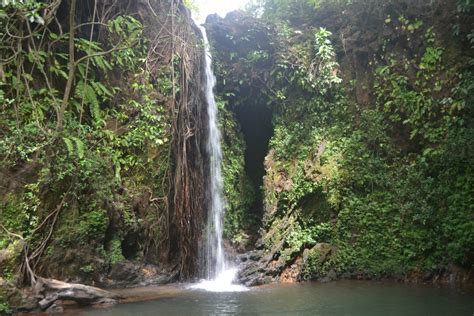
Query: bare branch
pixel 71 66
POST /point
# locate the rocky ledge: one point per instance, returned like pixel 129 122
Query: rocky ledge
pixel 258 267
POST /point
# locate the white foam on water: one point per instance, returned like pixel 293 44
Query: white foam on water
pixel 222 283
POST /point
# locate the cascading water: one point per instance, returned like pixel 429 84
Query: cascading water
pixel 215 252
pixel 219 275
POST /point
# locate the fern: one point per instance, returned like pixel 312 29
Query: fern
pixel 101 90
pixel 90 98
pixel 80 147
pixel 70 148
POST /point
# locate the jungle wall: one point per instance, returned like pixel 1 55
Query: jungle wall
pixel 102 133
pixel 368 160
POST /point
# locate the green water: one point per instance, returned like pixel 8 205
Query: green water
pixel 336 298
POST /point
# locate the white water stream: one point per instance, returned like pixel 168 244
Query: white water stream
pixel 220 275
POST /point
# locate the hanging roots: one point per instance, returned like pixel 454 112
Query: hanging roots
pixel 176 46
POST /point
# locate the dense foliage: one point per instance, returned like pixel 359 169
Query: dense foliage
pixel 369 169
pixel 374 160
pixel 85 138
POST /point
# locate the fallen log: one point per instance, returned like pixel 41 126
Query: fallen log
pixel 49 291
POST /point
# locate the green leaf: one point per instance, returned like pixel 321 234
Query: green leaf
pixel 69 145
pixel 90 98
pixel 80 147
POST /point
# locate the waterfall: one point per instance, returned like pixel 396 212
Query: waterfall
pixel 215 249
pixel 219 274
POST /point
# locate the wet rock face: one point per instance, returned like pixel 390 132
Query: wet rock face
pixel 128 274
pixel 252 268
pixel 257 268
pixel 125 272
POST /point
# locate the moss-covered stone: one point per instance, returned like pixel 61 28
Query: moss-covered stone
pixel 315 261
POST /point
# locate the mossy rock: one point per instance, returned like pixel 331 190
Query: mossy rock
pixel 14 299
pixel 9 259
pixel 315 261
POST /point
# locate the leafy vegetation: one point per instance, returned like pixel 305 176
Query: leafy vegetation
pixel 369 169
pixel 82 122
pixel 5 307
pixel 238 190
pixel 385 178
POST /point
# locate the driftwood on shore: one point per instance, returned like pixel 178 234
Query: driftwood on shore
pixel 48 291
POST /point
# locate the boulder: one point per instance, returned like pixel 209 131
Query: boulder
pixel 124 271
pixel 129 273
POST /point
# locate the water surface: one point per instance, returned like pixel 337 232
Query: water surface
pixel 336 298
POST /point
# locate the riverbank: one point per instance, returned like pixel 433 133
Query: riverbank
pixel 311 298
pixel 175 294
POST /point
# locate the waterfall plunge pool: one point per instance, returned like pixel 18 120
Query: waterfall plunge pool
pixel 334 298
pixel 222 283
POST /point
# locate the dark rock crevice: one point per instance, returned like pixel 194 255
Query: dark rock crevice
pixel 255 121
pixel 256 125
